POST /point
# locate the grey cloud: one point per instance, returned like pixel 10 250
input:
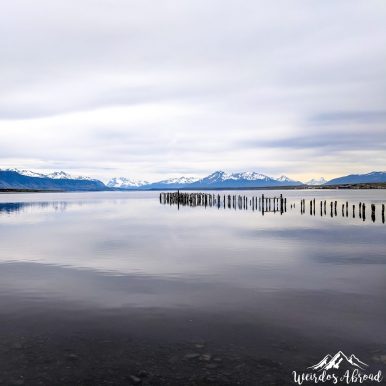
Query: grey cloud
pixel 349 117
pixel 149 87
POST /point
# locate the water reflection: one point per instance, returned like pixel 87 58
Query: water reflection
pixel 17 207
pixel 81 270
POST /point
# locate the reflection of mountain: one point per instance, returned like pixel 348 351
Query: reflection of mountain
pixel 16 207
pixel 339 359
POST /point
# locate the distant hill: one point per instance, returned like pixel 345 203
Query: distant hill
pixel 10 179
pixel 373 177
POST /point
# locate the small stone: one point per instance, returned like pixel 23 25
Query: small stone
pixel 135 380
pixel 217 359
pixel 18 382
pixel 211 366
pixel 380 358
pixel 173 359
pixel 192 356
pixel 205 357
pixel 199 345
pixel 143 374
pixel 72 357
pixel 266 362
pixel 17 346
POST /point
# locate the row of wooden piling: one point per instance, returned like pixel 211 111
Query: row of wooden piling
pixel 236 201
pixel 265 204
pixel 345 208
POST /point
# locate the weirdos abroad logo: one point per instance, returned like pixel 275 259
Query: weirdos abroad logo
pixel 338 369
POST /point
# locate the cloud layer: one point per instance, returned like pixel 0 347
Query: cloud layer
pixel 161 88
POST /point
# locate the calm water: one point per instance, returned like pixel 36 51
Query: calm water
pixel 101 288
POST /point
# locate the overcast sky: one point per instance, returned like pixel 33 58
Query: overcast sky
pixel 151 89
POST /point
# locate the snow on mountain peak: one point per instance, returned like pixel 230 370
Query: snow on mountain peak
pixel 28 173
pixel 180 180
pixel 55 175
pixel 249 176
pixel 315 181
pixel 123 182
pixel 284 179
pixel 65 176
pixel 223 176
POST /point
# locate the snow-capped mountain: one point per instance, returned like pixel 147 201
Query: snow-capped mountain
pixel 28 173
pixel 172 183
pixel 285 179
pixel 220 179
pixel 55 175
pixel 59 181
pixel 179 180
pixel 334 362
pixel 126 183
pixel 315 182
pixel 65 176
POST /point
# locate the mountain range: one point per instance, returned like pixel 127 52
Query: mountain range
pixel 30 180
pixel 216 180
pixel 27 180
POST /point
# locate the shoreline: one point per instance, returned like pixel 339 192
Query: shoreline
pixel 360 186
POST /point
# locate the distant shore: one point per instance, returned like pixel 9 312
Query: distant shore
pixel 380 185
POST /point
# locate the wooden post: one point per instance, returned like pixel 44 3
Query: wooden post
pixel 373 212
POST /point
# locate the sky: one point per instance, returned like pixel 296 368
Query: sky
pixel 163 88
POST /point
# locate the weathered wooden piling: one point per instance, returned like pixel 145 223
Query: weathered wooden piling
pixel 263 204
pixel 373 212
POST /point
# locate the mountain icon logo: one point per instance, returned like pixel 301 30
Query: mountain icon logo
pixel 334 362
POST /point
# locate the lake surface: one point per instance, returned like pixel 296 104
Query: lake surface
pixel 114 288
